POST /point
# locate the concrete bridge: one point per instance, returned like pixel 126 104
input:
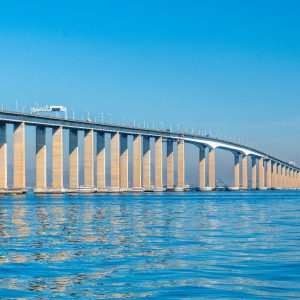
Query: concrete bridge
pixel 267 172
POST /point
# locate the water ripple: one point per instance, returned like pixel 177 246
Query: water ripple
pixel 176 245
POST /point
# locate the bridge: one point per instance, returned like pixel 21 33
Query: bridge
pixel 267 171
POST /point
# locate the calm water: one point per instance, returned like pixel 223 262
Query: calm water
pixel 190 245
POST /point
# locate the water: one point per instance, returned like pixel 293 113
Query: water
pixel 189 245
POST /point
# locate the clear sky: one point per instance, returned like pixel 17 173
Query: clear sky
pixel 232 67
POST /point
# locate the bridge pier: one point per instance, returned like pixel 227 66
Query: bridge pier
pixel 269 174
pixel 274 175
pixel 202 167
pixel 100 161
pixel 115 162
pixel 19 180
pixel 170 165
pixel 279 176
pixel 212 168
pixel 88 171
pixel 158 183
pixel 137 163
pixel 73 160
pixel 236 175
pixel 245 172
pixel 124 162
pixel 3 157
pixel 146 164
pixel 57 159
pixel 40 159
pixel 261 174
pixel 254 173
pixel 180 166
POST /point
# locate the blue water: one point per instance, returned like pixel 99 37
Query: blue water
pixel 172 245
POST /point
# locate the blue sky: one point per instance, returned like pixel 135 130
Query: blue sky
pixel 232 67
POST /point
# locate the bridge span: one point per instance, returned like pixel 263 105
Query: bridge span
pixel 267 171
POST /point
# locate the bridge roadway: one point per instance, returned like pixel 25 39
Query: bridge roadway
pixel 201 141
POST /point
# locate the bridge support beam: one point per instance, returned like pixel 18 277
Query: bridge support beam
pixel 181 166
pixel 202 173
pixel 288 178
pixel 100 161
pixel 245 172
pixel 73 160
pixel 236 171
pixel 269 174
pixel 146 163
pixel 57 158
pixel 274 175
pixel 279 176
pixel 89 159
pixel 261 174
pixel 212 168
pixel 137 163
pixel 158 164
pixel 283 177
pixel 294 179
pixel 115 162
pixel 3 156
pixel 19 180
pixel 170 165
pixel 124 162
pixel 40 159
pixel 254 173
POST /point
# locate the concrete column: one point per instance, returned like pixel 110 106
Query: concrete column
pixel 202 173
pixel 254 173
pixel 137 162
pixel 298 181
pixel 19 181
pixel 287 177
pixel 283 177
pixel 269 174
pixel 236 170
pixel 293 179
pixel 124 162
pixel 73 159
pixel 170 165
pixel 279 176
pixel 181 165
pixel 115 161
pixel 146 163
pixel 3 156
pixel 101 165
pixel 274 175
pixel 89 159
pixel 211 168
pixel 57 158
pixel 40 159
pixel 261 174
pixel 158 164
pixel 245 172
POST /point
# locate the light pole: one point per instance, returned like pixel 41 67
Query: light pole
pixel 102 116
pixel 23 108
pixel 162 124
pixel 110 116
